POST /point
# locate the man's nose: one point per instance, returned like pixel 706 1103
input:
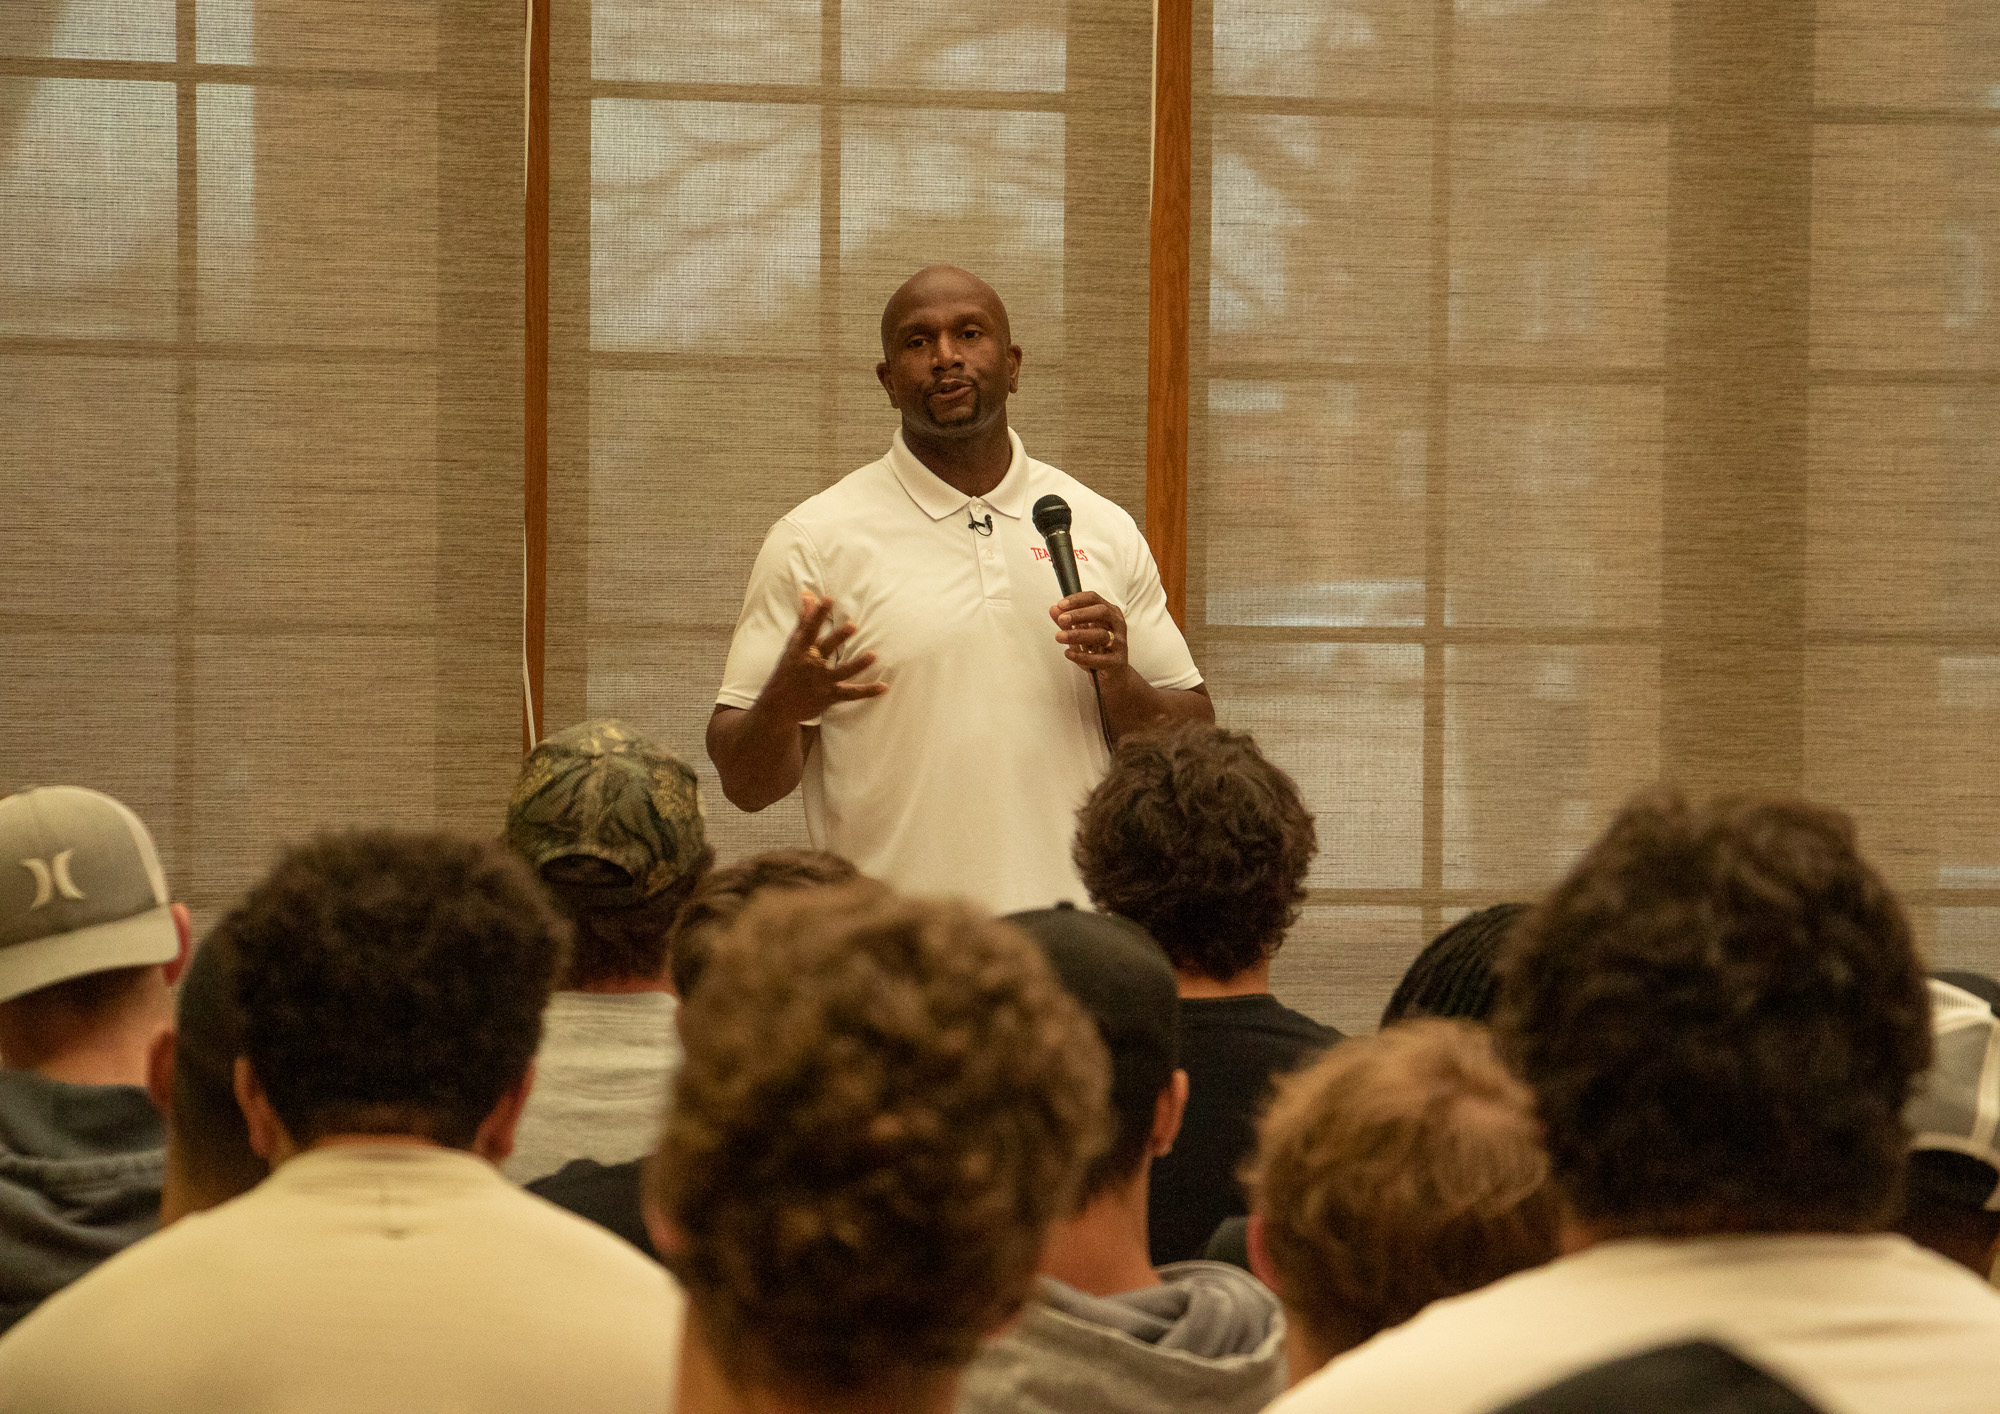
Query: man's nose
pixel 945 351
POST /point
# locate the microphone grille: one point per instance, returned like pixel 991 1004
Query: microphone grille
pixel 1051 514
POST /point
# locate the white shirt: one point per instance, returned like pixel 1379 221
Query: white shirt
pixel 601 1078
pixel 965 777
pixel 359 1279
pixel 1858 1325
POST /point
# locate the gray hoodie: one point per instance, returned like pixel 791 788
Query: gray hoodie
pixel 80 1171
pixel 1210 1339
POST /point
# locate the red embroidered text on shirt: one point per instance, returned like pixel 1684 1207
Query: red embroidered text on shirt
pixel 1042 554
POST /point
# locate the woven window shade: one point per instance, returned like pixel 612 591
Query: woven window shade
pixel 1590 393
pixel 736 192
pixel 260 355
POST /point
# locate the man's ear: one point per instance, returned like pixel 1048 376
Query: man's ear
pixel 495 1139
pixel 160 1071
pixel 882 377
pixel 1168 1111
pixel 268 1139
pixel 1260 1254
pixel 668 1240
pixel 1013 368
pixel 184 926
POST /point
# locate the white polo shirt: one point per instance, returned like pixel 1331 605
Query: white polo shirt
pixel 965 777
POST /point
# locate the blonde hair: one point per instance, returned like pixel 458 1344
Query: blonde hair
pixel 1401 1168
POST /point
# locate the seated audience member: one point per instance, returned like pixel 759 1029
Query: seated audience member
pixel 390 988
pixel 1453 976
pixel 1721 1016
pixel 1399 1169
pixel 1951 1196
pixel 1694 1377
pixel 1106 1331
pixel 613 823
pixel 609 1194
pixel 193 1082
pixel 89 948
pixel 1199 840
pixel 724 893
pixel 884 1106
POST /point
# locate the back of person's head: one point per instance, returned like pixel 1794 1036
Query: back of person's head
pixel 613 823
pixel 1453 976
pixel 1121 979
pixel 725 892
pixel 1951 1196
pixel 885 1104
pixel 209 1158
pixel 85 918
pixel 393 983
pixel 1721 1013
pixel 1202 842
pixel 1397 1170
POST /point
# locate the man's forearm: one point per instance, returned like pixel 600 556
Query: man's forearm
pixel 759 756
pixel 1133 704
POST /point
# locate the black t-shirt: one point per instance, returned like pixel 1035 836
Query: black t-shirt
pixel 1231 1049
pixel 607 1194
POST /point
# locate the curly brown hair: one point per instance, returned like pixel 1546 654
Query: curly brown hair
pixel 885 1104
pixel 1720 1011
pixel 1399 1169
pixel 1202 842
pixel 724 893
pixel 392 982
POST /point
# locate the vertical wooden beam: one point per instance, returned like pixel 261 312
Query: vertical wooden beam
pixel 1167 302
pixel 535 461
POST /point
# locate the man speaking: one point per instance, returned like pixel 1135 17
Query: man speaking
pixel 896 652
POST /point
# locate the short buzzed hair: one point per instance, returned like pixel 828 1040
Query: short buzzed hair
pixel 884 1106
pixel 1399 1169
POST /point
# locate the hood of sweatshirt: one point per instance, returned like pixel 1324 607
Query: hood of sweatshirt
pixel 80 1172
pixel 1209 1337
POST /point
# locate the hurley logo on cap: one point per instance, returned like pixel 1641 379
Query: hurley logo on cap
pixel 85 892
pixel 52 877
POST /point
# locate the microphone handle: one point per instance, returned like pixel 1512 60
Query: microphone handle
pixel 1063 556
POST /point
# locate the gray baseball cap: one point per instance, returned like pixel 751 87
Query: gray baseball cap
pixel 81 890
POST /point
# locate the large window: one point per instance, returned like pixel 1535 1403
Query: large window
pixel 738 190
pixel 260 360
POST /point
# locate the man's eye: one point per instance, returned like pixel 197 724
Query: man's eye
pixel 971 334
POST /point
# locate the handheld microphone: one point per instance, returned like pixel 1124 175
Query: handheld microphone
pixel 1051 516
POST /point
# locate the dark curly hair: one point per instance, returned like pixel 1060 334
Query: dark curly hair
pixel 393 983
pixel 724 893
pixel 1202 842
pixel 885 1104
pixel 1720 1012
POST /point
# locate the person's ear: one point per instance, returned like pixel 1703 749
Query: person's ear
pixel 184 926
pixel 1260 1254
pixel 1168 1111
pixel 160 1071
pixel 667 1238
pixel 495 1139
pixel 1013 368
pixel 268 1139
pixel 882 377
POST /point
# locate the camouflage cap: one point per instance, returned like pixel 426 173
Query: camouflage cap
pixel 601 789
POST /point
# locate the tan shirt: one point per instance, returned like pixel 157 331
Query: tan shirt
pixel 1859 1325
pixel 378 1279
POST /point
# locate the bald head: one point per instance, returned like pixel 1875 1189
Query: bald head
pixel 941 283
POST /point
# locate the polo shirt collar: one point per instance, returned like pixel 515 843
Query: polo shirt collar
pixel 938 498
